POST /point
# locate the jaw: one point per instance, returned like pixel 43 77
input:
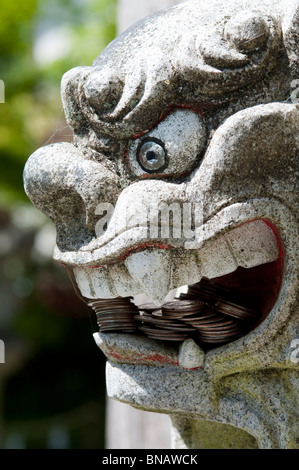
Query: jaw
pixel 155 272
pixel 245 256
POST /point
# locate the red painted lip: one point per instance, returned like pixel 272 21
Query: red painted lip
pixel 154 359
pixel 167 246
pixel 152 354
pixel 135 249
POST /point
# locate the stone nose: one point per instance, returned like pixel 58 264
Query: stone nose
pixel 154 210
pixel 67 188
pixel 75 192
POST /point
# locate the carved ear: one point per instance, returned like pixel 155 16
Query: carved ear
pixel 67 188
pixel 254 153
pixel 71 85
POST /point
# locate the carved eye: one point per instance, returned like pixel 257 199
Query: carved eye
pixel 151 156
pixel 172 148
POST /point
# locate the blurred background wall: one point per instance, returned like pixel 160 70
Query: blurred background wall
pixel 52 391
pixel 52 384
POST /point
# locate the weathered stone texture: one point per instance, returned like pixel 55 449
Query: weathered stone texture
pixel 193 105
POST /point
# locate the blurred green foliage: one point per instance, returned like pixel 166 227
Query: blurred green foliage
pixel 32 108
pixel 52 391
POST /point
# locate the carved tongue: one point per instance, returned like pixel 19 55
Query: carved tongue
pixel 151 269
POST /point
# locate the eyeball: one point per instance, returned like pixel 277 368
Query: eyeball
pixel 151 155
pixel 170 149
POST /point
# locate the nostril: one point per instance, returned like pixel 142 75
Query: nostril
pixel 69 208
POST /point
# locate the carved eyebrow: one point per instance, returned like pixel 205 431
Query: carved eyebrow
pixel 166 113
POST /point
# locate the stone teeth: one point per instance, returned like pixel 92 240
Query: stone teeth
pixel 253 244
pixel 185 270
pixel 123 283
pixel 151 269
pixel 95 283
pixel 216 259
pixel 156 272
pixel 181 290
pixel 247 246
pixel 191 356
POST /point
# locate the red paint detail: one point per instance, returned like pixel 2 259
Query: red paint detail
pixel 114 355
pixel 189 106
pixel 160 359
pixel 135 249
pixel 135 137
pixel 133 358
pixel 258 287
pixel 161 246
pixel 127 358
pixel 275 230
pixel 145 245
pixel 126 155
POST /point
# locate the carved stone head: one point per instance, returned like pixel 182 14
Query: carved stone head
pixel 184 169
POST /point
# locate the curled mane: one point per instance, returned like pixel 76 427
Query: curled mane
pixel 144 71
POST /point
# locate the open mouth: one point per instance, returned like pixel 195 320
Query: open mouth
pixel 230 286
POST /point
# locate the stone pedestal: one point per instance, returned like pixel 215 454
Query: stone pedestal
pixel 190 433
pixel 248 411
